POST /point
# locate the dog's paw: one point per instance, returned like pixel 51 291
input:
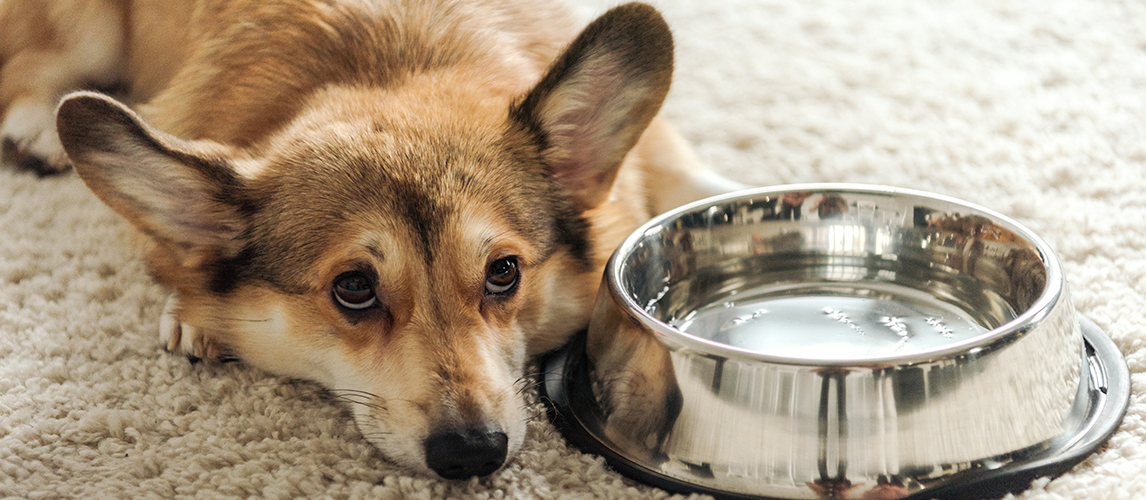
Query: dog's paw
pixel 29 141
pixel 179 337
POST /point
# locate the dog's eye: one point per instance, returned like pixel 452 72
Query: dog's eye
pixel 502 276
pixel 354 290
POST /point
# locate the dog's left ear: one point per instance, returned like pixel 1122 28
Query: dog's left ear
pixel 181 193
pixel 594 103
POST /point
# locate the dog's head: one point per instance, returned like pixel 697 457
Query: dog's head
pixel 408 247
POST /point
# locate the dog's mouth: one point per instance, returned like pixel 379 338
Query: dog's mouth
pixel 448 447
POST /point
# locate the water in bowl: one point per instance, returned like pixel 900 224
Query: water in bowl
pixel 832 321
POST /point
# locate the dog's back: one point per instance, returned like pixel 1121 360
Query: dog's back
pixel 256 62
pixel 234 71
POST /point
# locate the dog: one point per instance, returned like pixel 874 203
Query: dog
pixel 401 200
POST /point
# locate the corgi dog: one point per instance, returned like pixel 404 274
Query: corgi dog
pixel 403 200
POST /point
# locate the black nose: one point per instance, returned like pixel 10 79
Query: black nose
pixel 463 453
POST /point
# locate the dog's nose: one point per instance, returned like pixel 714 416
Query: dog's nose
pixel 463 453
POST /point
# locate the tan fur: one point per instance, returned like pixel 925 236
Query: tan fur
pixel 278 147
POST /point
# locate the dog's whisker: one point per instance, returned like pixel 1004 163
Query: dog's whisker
pixel 533 373
pixel 522 385
pixel 520 391
pixel 360 397
pixel 355 392
pixel 367 403
pixel 246 320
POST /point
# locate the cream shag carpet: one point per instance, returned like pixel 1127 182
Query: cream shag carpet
pixel 1036 108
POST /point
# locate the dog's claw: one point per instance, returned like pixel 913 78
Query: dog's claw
pixel 169 327
pixel 179 337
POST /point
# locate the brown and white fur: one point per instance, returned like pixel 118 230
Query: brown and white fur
pixel 404 200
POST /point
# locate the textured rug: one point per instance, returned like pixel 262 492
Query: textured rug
pixel 1034 108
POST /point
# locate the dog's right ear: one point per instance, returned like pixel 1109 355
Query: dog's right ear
pixel 597 99
pixel 182 193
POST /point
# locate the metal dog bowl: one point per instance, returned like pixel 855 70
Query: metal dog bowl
pixel 837 341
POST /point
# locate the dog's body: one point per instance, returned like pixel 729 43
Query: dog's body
pixel 403 199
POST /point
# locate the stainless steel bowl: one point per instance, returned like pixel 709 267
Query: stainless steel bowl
pixel 828 341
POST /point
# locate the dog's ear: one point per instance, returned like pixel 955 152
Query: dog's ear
pixel 182 193
pixel 596 100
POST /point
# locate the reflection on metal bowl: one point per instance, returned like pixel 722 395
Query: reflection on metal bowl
pixel 829 341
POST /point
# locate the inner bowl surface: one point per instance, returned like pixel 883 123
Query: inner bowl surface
pixel 836 276
pixel 804 341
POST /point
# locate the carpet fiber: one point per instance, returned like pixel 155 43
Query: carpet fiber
pixel 1034 108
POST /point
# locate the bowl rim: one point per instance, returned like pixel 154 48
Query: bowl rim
pixel 983 343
